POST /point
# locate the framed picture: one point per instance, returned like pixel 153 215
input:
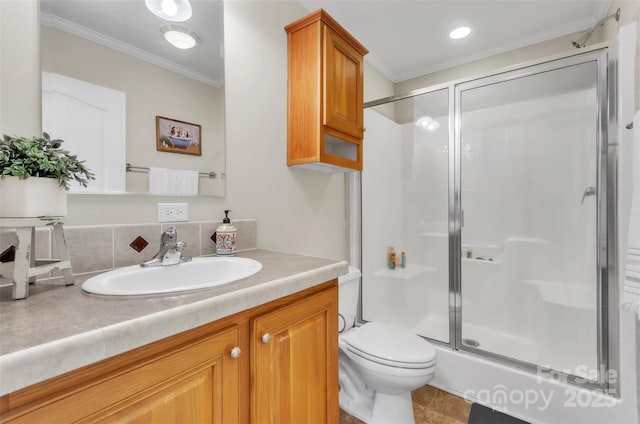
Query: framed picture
pixel 178 136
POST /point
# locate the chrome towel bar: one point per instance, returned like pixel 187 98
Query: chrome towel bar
pixel 132 168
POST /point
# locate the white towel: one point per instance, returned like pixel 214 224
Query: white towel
pixel 172 181
pixel 631 291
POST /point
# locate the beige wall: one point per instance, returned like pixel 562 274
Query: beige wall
pixel 296 210
pixel 376 85
pixel 629 10
pixel 629 13
pixel 19 68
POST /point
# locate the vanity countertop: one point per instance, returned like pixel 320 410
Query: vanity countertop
pixel 58 329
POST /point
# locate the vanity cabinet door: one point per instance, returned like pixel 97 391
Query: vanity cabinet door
pixel 203 390
pixel 294 362
pixel 196 383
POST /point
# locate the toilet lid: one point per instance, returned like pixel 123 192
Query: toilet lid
pixel 390 345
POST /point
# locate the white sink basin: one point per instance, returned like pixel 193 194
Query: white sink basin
pixel 200 273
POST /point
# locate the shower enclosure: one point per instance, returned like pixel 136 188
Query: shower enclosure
pixel 498 191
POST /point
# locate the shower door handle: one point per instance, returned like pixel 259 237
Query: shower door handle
pixel 589 191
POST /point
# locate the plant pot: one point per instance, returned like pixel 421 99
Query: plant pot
pixel 31 198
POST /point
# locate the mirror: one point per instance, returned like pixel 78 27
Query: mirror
pixel 119 46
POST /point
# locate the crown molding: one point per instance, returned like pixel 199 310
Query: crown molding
pixel 98 38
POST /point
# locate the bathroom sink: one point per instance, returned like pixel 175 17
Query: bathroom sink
pixel 200 273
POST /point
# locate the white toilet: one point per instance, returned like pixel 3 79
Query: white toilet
pixel 379 364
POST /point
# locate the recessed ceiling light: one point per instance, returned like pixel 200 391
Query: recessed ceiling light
pixel 460 32
pixel 170 10
pixel 180 36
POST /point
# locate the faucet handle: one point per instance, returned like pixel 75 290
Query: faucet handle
pixel 179 247
pixel 170 236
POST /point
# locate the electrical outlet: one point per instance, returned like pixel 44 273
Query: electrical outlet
pixel 173 212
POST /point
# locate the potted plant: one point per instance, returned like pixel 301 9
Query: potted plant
pixel 34 176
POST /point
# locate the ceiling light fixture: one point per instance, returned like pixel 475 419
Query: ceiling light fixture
pixel 180 36
pixel 169 7
pixel 170 10
pixel 460 32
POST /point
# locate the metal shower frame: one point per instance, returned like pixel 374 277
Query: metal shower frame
pixel 607 256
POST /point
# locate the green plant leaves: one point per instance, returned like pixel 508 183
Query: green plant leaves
pixel 41 157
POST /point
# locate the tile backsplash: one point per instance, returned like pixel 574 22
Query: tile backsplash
pixel 94 248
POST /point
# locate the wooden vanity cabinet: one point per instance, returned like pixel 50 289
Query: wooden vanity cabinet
pixel 216 373
pixel 195 382
pixel 325 94
pixel 294 369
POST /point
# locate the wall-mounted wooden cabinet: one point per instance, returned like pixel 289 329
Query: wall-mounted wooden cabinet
pixel 274 363
pixel 325 95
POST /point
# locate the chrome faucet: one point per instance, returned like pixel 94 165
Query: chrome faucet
pixel 170 252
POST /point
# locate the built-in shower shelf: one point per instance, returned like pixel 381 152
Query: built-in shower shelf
pixel 411 271
pixel 483 260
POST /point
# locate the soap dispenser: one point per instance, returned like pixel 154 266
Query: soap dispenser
pixel 226 237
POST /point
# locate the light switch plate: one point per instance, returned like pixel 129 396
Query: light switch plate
pixel 173 212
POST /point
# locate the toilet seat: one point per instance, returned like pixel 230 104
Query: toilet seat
pixel 390 346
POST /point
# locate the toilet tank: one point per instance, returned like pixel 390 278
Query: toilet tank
pixel 348 291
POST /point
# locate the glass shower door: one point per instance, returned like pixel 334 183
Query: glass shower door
pixel 405 206
pixel 528 162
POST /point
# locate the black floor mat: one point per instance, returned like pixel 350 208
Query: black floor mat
pixel 483 415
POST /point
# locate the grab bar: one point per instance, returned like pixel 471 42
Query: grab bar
pixel 131 168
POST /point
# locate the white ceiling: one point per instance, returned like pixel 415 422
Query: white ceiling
pixel 405 38
pixel 409 38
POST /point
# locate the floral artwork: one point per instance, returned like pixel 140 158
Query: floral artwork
pixel 226 244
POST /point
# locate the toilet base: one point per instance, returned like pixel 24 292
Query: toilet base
pixel 395 408
pixel 384 408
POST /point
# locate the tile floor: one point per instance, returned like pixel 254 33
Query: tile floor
pixel 430 406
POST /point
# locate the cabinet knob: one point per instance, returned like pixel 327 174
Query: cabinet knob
pixel 235 352
pixel 266 338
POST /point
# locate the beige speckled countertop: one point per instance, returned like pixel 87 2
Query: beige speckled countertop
pixel 58 329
